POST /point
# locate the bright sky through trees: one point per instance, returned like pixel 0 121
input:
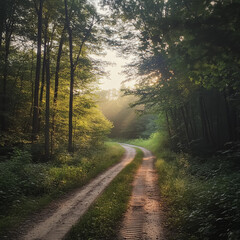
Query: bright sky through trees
pixel 114 70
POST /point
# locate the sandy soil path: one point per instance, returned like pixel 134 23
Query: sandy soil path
pixel 56 222
pixel 143 220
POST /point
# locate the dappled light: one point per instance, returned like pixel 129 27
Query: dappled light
pixel 79 76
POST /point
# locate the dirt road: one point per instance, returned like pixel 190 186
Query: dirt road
pixel 144 216
pixel 55 222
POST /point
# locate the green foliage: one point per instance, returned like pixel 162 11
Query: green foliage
pixel 18 35
pixel 201 195
pixel 187 67
pixel 201 207
pixel 19 177
pixel 27 186
pixel 101 220
pixel 158 142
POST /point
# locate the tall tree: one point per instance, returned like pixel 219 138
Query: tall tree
pixel 8 20
pixel 35 124
pixel 70 124
pixel 47 114
pixel 85 34
pixel 188 51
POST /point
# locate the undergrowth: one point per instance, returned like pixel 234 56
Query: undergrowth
pixel 103 217
pixel 201 195
pixel 26 186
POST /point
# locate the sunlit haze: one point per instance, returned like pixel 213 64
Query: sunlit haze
pixel 115 69
pixel 114 76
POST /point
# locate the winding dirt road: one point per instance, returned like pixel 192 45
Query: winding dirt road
pixel 58 221
pixel 143 220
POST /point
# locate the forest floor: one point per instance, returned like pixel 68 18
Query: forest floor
pixel 144 217
pixel 57 219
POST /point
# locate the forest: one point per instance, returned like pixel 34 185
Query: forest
pixel 56 122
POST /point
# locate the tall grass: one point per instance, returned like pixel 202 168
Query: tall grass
pixel 201 195
pixel 26 186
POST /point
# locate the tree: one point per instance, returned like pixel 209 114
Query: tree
pixel 73 65
pixel 187 64
pixel 35 125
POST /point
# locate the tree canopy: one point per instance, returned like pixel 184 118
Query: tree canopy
pixel 47 75
pixel 187 61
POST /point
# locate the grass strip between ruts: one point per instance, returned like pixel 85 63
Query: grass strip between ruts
pixel 102 219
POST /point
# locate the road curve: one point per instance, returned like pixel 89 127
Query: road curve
pixel 143 220
pixel 59 222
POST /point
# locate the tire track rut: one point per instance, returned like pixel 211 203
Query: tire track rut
pixel 143 218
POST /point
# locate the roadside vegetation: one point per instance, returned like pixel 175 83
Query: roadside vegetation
pixel 26 186
pixel 102 219
pixel 201 195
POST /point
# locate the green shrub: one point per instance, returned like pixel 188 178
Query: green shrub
pixel 26 186
pixel 201 205
pixel 12 180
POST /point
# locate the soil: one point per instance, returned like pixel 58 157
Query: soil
pixel 144 218
pixel 55 221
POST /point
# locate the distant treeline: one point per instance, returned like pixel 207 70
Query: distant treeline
pixel 127 123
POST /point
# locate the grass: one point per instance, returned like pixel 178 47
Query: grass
pixel 102 219
pixel 202 195
pixel 26 187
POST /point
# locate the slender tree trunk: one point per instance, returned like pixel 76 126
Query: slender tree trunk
pixel 169 130
pixel 47 115
pixel 8 35
pixel 43 73
pixel 32 89
pixel 70 124
pixel 232 116
pixel 203 120
pixel 185 124
pixel 55 98
pixel 209 129
pixel 190 121
pixel 43 63
pixel 168 125
pixel 37 78
pixel 58 69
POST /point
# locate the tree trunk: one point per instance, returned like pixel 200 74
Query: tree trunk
pixel 203 120
pixel 47 116
pixel 185 124
pixel 189 117
pixel 169 130
pixel 43 72
pixel 2 20
pixel 168 125
pixel 37 78
pixel 44 63
pixel 70 125
pixel 207 134
pixel 56 88
pixel 209 129
pixel 8 35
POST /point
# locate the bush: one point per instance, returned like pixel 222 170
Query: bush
pixel 26 186
pixel 202 204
